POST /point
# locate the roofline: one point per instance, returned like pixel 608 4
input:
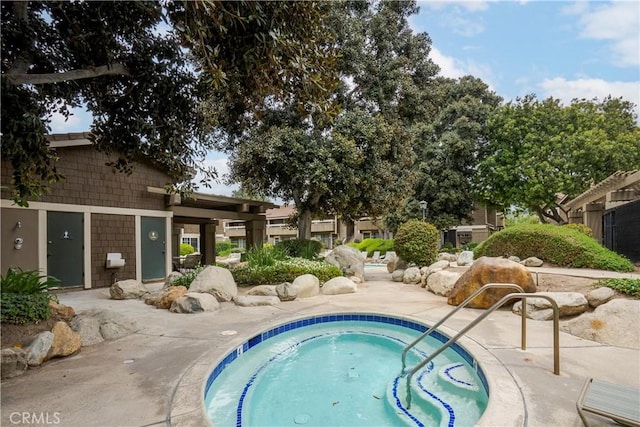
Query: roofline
pixel 616 181
pixel 73 139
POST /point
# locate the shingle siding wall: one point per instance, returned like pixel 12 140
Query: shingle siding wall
pixel 90 182
pixel 112 233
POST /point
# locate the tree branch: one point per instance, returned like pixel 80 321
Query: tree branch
pixel 85 73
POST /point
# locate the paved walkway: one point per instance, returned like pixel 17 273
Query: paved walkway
pixel 139 380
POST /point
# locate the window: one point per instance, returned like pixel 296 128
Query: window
pixel 193 240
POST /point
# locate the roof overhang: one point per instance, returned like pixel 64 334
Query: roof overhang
pixel 621 180
pixel 201 206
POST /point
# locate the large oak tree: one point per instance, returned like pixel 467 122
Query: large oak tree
pixel 157 77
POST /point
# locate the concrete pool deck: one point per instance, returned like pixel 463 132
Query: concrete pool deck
pixel 141 379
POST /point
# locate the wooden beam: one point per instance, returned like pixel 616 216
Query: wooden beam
pixel 213 214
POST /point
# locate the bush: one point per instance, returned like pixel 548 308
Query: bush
pixel 448 247
pixel 417 242
pixel 300 248
pixel 25 297
pixel 223 246
pixel 267 255
pixel 373 245
pixel 283 271
pixel 627 286
pixel 470 246
pixel 188 277
pixel 186 249
pixel 559 245
pixel 584 229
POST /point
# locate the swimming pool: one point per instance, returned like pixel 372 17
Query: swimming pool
pixel 343 369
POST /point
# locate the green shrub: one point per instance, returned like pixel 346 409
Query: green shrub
pixel 19 281
pixel 283 271
pixel 188 277
pixel 186 249
pixel 417 242
pixel 223 246
pixel 627 286
pixel 24 296
pixel 300 248
pixel 448 247
pixel 266 255
pixel 373 245
pixel 24 308
pixel 562 246
pixel 470 246
pixel 584 229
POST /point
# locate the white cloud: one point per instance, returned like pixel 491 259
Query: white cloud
pixel 589 88
pixel 467 5
pixel 455 68
pixel 617 22
pixel 463 26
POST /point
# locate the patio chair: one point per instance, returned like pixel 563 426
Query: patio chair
pixel 364 254
pixel 190 262
pixel 376 256
pixel 617 402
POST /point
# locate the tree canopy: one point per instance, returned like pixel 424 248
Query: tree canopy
pixel 359 164
pixel 538 150
pixel 157 77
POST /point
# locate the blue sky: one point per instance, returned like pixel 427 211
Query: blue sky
pixel 563 49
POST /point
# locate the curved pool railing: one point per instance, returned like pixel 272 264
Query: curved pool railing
pixel 494 307
pixel 461 306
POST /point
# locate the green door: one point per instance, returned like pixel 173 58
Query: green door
pixel 153 248
pixel 65 247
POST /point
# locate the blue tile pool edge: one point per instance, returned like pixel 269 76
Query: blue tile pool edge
pixel 340 317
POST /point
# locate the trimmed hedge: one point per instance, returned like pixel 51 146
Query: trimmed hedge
pixel 562 246
pixel 186 249
pixel 283 271
pixel 417 242
pixel 372 245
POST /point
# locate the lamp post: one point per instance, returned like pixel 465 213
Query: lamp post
pixel 423 205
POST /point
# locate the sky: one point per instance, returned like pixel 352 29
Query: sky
pixel 560 49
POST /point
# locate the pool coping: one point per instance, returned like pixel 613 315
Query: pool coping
pixel 187 405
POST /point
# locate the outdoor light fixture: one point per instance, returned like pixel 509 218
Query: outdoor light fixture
pixel 423 205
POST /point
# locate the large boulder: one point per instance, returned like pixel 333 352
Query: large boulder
pixel 61 311
pixel 532 262
pixel 442 282
pixel 65 341
pixel 170 294
pixel 95 326
pixel 392 259
pixel 614 323
pixel 216 281
pixel 348 259
pixel 397 275
pixel 412 275
pixel 128 289
pixel 339 285
pixel 13 362
pixel 263 291
pixel 465 258
pixel 255 300
pixel 427 271
pixel 306 286
pixel 172 277
pixel 195 302
pixel 446 256
pixel 37 348
pixel 569 304
pixel 286 292
pixel 599 296
pixel 490 270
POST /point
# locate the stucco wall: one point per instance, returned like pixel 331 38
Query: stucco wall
pixel 23 224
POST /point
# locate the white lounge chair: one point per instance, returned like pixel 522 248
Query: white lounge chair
pixel 618 402
pixel 376 257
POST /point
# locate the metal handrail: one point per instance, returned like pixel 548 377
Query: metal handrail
pixel 458 308
pixel 494 307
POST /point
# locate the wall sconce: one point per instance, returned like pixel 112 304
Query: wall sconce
pixel 17 243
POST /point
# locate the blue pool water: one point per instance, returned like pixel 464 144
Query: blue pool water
pixel 344 370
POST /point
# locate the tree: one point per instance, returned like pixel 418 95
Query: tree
pixel 359 164
pixel 539 149
pixel 157 77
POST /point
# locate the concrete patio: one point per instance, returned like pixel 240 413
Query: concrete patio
pixel 155 377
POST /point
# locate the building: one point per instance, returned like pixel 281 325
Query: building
pixel 611 208
pixel 96 214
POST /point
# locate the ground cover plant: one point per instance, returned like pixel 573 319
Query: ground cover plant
pixel 417 242
pixel 562 246
pixel 283 271
pixel 627 286
pixel 373 245
pixel 24 296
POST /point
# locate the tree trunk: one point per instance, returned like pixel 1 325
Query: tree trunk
pixel 304 225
